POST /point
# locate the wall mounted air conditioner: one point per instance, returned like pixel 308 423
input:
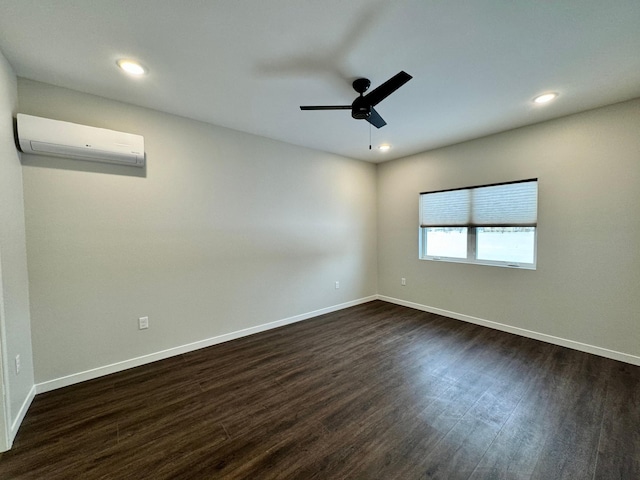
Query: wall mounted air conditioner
pixel 43 136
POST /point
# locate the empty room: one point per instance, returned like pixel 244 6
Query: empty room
pixel 319 240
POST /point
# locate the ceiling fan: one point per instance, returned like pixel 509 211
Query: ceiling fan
pixel 362 106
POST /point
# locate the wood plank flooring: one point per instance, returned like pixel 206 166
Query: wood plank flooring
pixel 376 391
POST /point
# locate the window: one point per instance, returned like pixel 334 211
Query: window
pixel 490 224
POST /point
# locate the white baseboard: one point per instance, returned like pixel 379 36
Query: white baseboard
pixel 21 414
pixel 144 359
pixel 563 342
pixel 152 357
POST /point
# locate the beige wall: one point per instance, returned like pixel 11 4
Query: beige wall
pixel 586 286
pixel 14 297
pixel 223 231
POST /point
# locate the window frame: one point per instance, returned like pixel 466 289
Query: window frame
pixel 472 237
pixel 472 251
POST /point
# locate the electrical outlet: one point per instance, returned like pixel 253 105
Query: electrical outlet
pixel 17 364
pixel 337 285
pixel 403 281
pixel 143 323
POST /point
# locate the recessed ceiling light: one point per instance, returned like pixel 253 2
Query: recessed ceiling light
pixel 131 67
pixel 545 97
pixel 384 148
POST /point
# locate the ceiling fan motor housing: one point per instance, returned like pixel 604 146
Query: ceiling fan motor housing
pixel 360 109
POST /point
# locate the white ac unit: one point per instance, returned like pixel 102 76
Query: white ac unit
pixel 43 136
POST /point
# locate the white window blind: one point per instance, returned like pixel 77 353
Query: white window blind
pixel 445 209
pixel 513 204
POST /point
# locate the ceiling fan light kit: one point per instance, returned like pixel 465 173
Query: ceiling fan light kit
pixel 362 106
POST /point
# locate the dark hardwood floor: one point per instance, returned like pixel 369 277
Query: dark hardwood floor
pixel 375 391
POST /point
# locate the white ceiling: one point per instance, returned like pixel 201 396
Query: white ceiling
pixel 249 64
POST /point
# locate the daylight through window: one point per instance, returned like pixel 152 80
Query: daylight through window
pixel 489 224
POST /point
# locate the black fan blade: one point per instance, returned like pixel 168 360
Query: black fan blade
pixel 375 119
pixel 378 94
pixel 327 107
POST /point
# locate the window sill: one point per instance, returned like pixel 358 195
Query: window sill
pixel 489 263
